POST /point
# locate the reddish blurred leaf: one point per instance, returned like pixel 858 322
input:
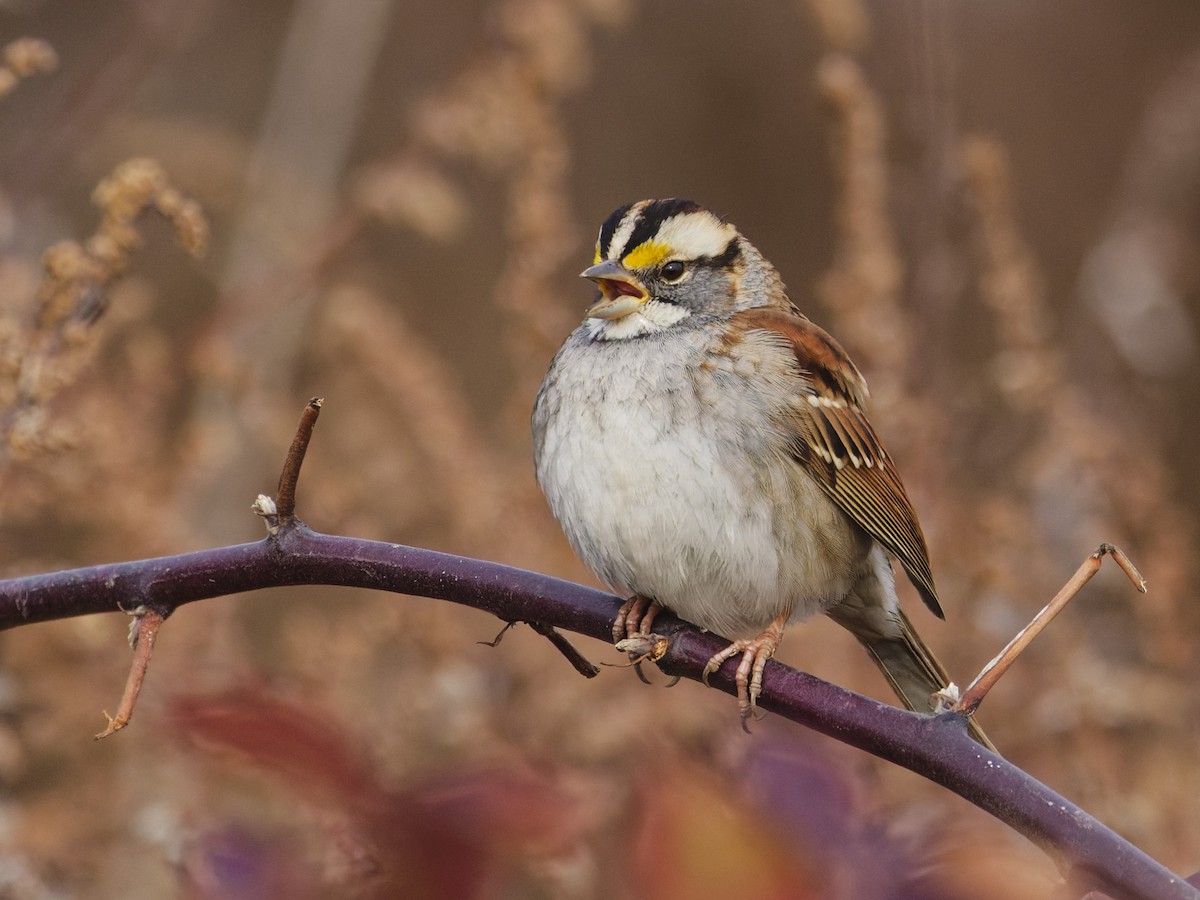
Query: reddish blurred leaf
pixel 290 740
pixel 446 838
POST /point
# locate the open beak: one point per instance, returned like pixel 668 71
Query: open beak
pixel 623 293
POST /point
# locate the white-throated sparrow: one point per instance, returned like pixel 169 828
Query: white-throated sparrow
pixel 704 447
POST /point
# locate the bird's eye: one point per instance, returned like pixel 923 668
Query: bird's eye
pixel 672 272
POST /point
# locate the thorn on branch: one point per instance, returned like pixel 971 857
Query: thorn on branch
pixel 994 670
pixel 282 510
pixel 143 631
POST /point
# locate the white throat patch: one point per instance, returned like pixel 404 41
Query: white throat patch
pixel 653 316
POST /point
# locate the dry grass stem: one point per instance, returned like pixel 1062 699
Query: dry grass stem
pixel 862 290
pixel 1028 368
pixel 40 356
pixel 414 193
pixel 844 23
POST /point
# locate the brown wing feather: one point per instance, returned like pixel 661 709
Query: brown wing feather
pixel 838 447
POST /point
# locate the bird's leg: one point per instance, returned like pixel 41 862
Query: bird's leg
pixel 635 616
pixel 755 652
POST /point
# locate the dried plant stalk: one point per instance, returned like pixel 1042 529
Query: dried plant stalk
pixel 1070 435
pixel 862 290
pixel 22 59
pixel 41 356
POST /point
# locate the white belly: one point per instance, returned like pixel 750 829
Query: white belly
pixel 693 503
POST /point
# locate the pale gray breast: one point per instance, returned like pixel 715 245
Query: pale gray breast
pixel 660 486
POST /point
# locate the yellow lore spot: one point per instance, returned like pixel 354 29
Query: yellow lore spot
pixel 646 254
pixel 596 256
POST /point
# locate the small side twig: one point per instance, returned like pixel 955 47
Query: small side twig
pixel 995 669
pixel 142 633
pixel 582 664
pixel 285 497
pixel 147 620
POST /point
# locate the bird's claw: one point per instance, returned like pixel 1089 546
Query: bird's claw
pixel 755 653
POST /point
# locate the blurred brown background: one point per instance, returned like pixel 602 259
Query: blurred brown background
pixel 993 206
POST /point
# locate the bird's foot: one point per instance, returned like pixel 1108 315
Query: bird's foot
pixel 634 619
pixel 754 652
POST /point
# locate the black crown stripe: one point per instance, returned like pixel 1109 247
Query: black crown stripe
pixel 609 228
pixel 651 218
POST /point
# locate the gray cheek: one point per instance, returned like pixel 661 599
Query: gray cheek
pixel 708 291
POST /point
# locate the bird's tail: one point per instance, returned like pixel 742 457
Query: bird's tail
pixel 909 666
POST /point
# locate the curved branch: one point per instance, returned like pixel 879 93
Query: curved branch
pixel 936 747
